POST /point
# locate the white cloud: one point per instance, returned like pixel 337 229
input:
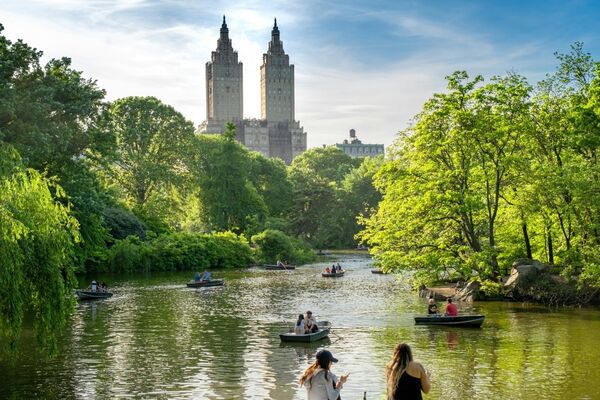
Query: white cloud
pixel 129 53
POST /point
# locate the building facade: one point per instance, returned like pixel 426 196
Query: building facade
pixel 277 133
pixel 355 148
pixel 224 81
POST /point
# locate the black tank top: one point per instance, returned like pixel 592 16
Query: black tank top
pixel 409 388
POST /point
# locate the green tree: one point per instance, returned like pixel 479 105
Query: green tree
pixel 502 123
pixel 228 198
pixel 88 201
pixel 270 177
pixel 49 113
pixel 37 241
pixel 444 188
pixel 316 177
pixel 272 245
pixel 564 146
pixel 153 144
pixel 358 198
pixel 328 163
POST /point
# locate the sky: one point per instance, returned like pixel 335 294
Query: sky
pixel 363 65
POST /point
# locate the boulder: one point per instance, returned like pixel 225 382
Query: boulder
pixel 427 293
pixel 522 261
pixel 518 273
pixel 527 261
pixel 469 292
pixel 540 267
pixel 520 270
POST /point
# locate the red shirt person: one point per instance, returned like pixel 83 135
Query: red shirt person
pixel 451 309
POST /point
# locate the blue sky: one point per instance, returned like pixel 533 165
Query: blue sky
pixel 367 65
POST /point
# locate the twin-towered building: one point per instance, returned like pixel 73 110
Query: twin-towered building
pixel 276 133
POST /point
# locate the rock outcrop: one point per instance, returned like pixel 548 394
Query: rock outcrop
pixel 469 292
pixel 524 271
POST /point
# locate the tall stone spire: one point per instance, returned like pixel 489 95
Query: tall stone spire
pixel 224 81
pixel 275 45
pixel 277 82
pixel 224 30
pixel 224 43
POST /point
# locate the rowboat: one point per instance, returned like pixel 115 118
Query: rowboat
pixel 473 321
pixel 212 282
pixel 89 295
pixel 323 332
pixel 307 348
pixel 376 271
pixel 275 267
pixel 332 274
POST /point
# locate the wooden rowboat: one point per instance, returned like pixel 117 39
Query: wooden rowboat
pixel 322 333
pixel 473 321
pixel 89 295
pixel 212 282
pixel 332 275
pixel 377 271
pixel 274 267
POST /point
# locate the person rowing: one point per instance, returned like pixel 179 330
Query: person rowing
pixel 206 277
pixel 310 323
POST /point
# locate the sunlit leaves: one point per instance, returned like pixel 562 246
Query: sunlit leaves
pixel 37 239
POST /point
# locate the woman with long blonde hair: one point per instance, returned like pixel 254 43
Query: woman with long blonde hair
pixel 406 378
pixel 318 380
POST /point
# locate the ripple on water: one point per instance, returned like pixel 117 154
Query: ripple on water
pixel 155 338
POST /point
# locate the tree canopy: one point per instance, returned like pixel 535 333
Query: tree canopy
pixel 490 172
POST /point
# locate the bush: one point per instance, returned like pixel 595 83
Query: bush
pixel 122 223
pixel 491 289
pixel 273 245
pixel 179 251
pixel 127 255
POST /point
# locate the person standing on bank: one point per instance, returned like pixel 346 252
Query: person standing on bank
pixel 406 378
pixel 319 381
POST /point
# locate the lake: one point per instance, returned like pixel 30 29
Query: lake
pixel 155 338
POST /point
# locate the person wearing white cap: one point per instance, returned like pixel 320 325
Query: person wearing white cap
pixel 319 381
pixel 94 286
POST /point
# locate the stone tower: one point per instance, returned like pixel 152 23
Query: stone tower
pixel 276 133
pixel 277 82
pixel 224 83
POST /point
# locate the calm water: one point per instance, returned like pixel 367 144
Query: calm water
pixel 158 339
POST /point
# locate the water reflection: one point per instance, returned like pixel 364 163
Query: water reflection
pixel 157 339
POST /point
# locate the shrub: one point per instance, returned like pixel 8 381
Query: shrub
pixel 122 223
pixel 127 255
pixel 491 289
pixel 179 251
pixel 273 245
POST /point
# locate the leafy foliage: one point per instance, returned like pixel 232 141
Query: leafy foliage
pixel 273 245
pixel 37 241
pixel 180 251
pixel 122 223
pixel 152 144
pixel 47 113
pixel 328 194
pixel 492 172
pixel 229 199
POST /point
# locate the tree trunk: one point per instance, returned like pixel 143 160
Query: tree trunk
pixel 494 260
pixel 550 248
pixel 527 242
